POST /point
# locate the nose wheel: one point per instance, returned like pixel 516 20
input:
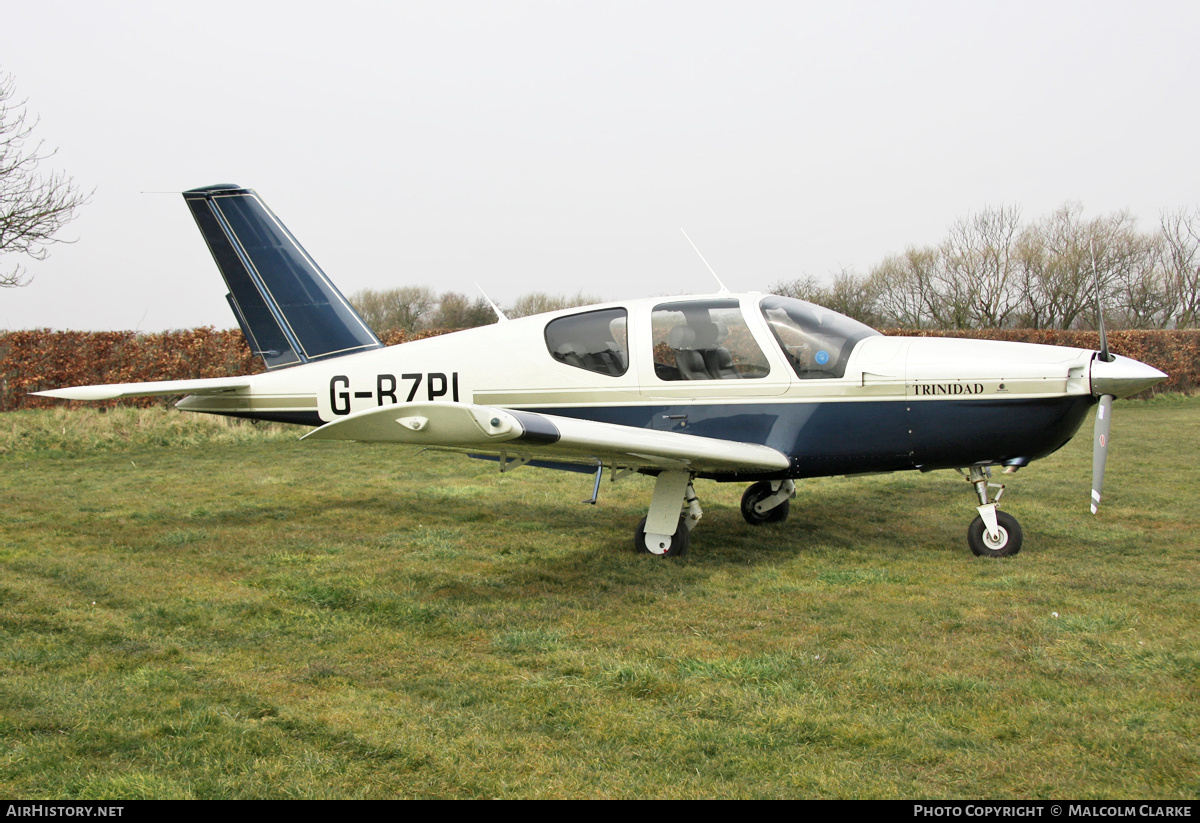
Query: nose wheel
pixel 992 533
pixel 1004 543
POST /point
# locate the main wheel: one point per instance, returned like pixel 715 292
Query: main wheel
pixel 679 540
pixel 756 493
pixel 1010 536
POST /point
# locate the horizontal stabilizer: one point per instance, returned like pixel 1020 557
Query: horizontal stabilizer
pixel 111 391
pixel 483 429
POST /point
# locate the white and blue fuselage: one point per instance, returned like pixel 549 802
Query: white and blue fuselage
pixel 898 403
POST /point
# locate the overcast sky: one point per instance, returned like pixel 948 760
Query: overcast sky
pixel 560 146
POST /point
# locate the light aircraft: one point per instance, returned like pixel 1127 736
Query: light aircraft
pixel 729 387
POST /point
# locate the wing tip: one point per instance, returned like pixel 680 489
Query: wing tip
pixel 79 393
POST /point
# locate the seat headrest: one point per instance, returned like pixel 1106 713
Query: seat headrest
pixel 682 338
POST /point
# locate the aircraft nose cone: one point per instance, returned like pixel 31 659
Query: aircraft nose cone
pixel 1123 376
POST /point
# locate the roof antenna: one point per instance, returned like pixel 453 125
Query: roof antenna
pixel 499 314
pixel 710 268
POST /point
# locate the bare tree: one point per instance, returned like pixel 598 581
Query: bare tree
pixel 394 309
pixel 992 272
pixel 538 302
pixel 977 276
pixel 1032 263
pixel 850 293
pixel 1062 277
pixel 806 287
pixel 1139 295
pixel 906 288
pixel 34 206
pixel 457 311
pixel 1180 231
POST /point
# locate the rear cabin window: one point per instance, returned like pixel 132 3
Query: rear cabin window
pixel 816 341
pixel 596 341
pixel 705 340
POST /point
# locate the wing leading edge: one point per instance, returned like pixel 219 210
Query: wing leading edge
pixel 493 430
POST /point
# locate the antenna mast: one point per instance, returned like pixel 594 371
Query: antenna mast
pixel 710 268
pixel 499 314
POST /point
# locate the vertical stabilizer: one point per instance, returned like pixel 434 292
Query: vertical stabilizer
pixel 288 309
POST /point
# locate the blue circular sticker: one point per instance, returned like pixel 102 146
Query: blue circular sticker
pixel 822 357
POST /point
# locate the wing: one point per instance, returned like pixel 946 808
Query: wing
pixel 215 385
pixel 490 430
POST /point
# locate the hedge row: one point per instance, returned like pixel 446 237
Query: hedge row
pixel 42 359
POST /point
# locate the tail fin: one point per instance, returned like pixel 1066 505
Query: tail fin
pixel 289 311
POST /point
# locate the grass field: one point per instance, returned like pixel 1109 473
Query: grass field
pixel 190 608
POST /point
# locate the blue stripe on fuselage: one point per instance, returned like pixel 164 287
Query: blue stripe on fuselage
pixel 838 437
pixel 944 432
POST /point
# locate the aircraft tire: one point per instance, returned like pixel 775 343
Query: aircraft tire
pixel 760 491
pixel 1010 541
pixel 679 540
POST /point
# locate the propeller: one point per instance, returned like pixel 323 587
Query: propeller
pixel 1104 410
pixel 1100 447
pixel 1112 378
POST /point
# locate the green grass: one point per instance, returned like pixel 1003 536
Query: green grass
pixel 193 608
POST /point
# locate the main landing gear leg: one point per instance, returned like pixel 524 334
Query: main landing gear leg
pixel 665 530
pixel 993 533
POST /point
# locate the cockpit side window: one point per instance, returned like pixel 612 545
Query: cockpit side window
pixel 596 341
pixel 705 340
pixel 816 341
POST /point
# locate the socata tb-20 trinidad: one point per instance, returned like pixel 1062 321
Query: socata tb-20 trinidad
pixel 726 387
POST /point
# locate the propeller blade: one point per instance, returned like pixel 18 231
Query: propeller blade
pixel 1104 354
pixel 1100 447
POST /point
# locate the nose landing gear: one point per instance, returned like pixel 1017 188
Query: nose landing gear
pixel 992 533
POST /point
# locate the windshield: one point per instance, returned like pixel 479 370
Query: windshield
pixel 816 341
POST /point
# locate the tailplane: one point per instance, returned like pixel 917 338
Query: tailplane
pixel 289 310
